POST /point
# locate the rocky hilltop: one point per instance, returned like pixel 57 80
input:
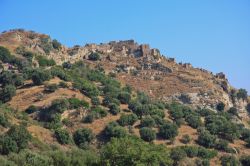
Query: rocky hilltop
pixel 144 68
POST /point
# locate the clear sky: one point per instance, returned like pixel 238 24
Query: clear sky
pixel 212 34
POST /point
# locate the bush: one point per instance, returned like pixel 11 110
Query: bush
pixel 114 130
pixel 56 45
pixel 5 55
pixel 242 94
pixel 7 93
pixel 221 145
pixel 229 160
pixel 124 97
pixel 132 151
pixel 7 145
pixel 95 101
pixel 39 76
pixel 75 103
pixel 94 56
pixel 31 109
pixel 193 120
pixel 185 139
pixel 9 78
pixel 220 106
pixel 168 131
pixel 148 122
pixel 62 136
pixel 20 135
pixel 245 160
pixel 191 151
pixel 147 134
pixel 206 139
pixel 63 84
pixel 114 109
pixel 59 105
pixel 99 112
pixel 127 119
pixel 43 61
pixel 51 88
pixel 233 111
pixel 177 154
pixel 83 137
pixel 89 118
pixel 248 108
pixel 206 153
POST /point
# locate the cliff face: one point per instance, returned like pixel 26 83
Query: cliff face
pixel 139 66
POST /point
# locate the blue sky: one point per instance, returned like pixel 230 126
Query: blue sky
pixel 212 34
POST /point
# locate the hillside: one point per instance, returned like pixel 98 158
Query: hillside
pixel 86 105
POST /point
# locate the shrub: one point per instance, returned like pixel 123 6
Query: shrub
pixel 248 142
pixel 46 44
pixel 242 94
pixel 168 131
pixel 7 93
pixel 56 45
pixel 39 76
pixel 147 134
pixel 176 113
pixel 206 139
pixel 124 97
pixel 4 120
pixel 148 122
pixel 99 112
pixel 59 105
pixel 20 135
pixel 5 55
pixel 114 130
pixel 245 160
pixel 51 88
pixel 83 136
pixel 67 122
pixel 114 109
pixel 133 151
pixel 221 145
pixel 206 153
pixel 31 109
pixel 185 139
pixel 95 101
pixel 43 61
pixel 220 106
pixel 233 111
pixel 62 136
pixel 177 154
pixel 7 145
pixel 248 108
pixel 127 119
pixel 193 120
pixel 75 103
pixel 191 151
pixel 63 84
pixel 89 118
pixel 7 78
pixel 94 56
pixel 229 160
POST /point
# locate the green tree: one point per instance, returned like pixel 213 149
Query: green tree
pixel 177 154
pixel 168 131
pixel 62 136
pixel 39 76
pixel 20 135
pixel 114 109
pixel 206 139
pixel 56 45
pixel 185 139
pixel 114 130
pixel 94 56
pixel 83 137
pixel 7 145
pixel 147 134
pixel 242 94
pixel 220 106
pixel 127 119
pixel 5 55
pixel 7 93
pixel 124 97
pixel 148 122
pixel 132 151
